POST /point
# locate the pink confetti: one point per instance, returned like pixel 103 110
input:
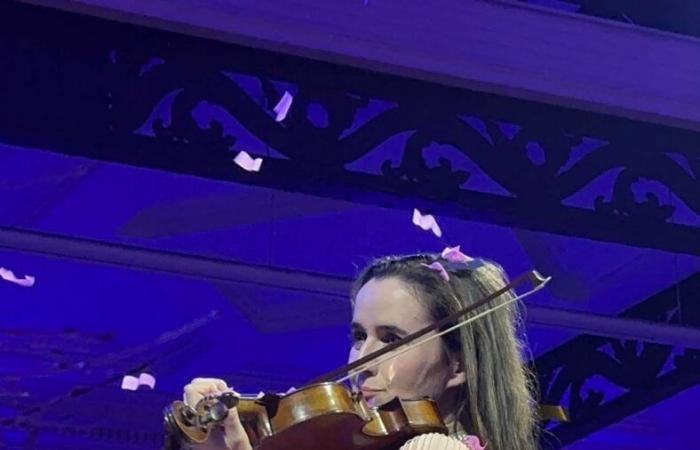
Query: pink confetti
pixel 436 266
pixel 247 163
pixel 473 442
pixel 8 275
pixel 131 383
pixel 426 222
pixel 282 107
pixel 454 255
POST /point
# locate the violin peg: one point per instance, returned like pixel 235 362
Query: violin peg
pixel 229 399
pixel 217 413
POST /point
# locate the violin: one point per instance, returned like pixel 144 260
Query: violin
pixel 326 412
pixel 310 418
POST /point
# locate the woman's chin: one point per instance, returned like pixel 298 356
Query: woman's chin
pixel 375 401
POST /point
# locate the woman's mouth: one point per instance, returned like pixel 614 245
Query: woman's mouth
pixel 369 394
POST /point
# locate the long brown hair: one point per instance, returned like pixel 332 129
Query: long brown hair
pixel 496 402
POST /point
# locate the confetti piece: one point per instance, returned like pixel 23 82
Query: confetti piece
pixel 426 222
pixel 282 107
pixel 436 266
pixel 146 379
pixel 131 383
pixel 8 275
pixel 473 443
pixel 247 163
pixel 454 255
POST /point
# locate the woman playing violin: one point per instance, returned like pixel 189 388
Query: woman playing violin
pixel 475 374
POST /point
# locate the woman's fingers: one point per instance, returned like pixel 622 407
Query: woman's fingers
pixel 232 435
pixel 202 387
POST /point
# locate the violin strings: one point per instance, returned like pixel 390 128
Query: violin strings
pixel 465 322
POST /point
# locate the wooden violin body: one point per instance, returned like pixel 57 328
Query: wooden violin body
pixel 318 417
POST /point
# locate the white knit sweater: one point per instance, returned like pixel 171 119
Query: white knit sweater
pixel 434 441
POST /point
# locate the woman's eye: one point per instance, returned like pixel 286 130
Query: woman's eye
pixel 389 338
pixel 357 338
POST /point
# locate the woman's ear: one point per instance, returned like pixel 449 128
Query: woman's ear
pixel 457 377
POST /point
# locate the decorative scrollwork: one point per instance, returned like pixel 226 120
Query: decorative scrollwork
pixel 176 103
pixel 595 376
pixel 530 161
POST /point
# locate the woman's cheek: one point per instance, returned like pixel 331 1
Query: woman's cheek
pixel 391 373
pixel 397 377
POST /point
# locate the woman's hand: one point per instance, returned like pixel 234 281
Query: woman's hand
pixel 231 436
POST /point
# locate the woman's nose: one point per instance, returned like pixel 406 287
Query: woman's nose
pixel 368 347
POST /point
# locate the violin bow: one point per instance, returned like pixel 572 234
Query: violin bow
pixel 347 371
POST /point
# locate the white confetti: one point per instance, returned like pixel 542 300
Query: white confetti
pixel 426 222
pixel 131 383
pixel 455 255
pixel 282 107
pixel 146 379
pixel 248 163
pixel 8 275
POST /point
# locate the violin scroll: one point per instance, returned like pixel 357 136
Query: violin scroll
pixel 184 423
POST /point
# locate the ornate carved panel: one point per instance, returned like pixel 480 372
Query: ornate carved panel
pixel 602 380
pixel 153 99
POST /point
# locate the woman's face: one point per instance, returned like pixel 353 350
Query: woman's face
pixel 386 310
